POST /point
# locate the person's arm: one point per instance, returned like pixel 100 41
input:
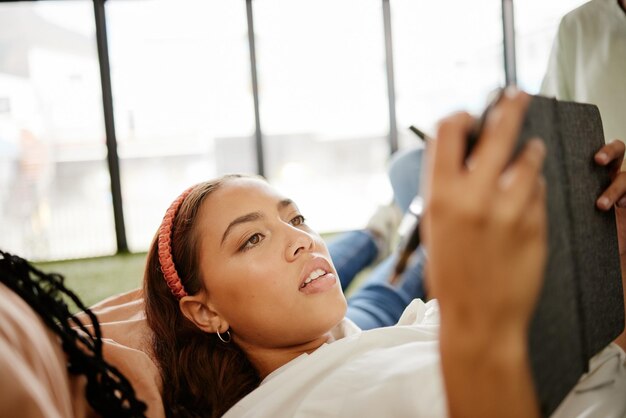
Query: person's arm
pixel 485 234
pixel 612 155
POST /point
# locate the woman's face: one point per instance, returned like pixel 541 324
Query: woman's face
pixel 266 272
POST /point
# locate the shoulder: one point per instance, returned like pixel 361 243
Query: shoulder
pixel 593 13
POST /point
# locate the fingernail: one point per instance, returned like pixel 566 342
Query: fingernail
pixel 622 202
pixel 604 202
pixel 538 146
pixel 511 92
pixel 602 157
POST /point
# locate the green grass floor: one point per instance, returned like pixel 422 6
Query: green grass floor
pixel 95 279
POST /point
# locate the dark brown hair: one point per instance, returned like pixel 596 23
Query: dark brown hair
pixel 202 376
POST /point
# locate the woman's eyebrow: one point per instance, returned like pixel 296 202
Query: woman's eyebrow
pixel 284 203
pixel 253 216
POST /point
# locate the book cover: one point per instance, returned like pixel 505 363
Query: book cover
pixel 580 308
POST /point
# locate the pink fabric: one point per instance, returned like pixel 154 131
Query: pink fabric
pixel 34 381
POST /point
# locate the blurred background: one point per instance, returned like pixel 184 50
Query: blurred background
pixel 109 109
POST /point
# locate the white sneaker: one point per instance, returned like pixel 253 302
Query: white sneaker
pixel 384 226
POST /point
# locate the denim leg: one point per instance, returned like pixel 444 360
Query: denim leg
pixel 379 304
pixel 351 252
pixel 405 169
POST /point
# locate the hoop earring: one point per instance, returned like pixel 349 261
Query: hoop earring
pixel 222 339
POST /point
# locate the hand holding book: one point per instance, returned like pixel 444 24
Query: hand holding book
pixel 580 305
pixel 486 301
pixel 612 156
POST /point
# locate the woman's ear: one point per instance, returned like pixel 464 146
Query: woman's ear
pixel 198 310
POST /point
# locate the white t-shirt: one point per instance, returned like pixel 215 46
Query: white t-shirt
pixel 395 372
pixel 588 63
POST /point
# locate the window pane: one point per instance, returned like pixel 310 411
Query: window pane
pixel 448 57
pixel 323 106
pixel 54 184
pixel 536 23
pixel 183 101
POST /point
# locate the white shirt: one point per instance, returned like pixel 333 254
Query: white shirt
pixel 588 63
pixel 395 372
pixel 359 375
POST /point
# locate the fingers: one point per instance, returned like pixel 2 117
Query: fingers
pixel 519 182
pixel 612 154
pixel 614 194
pixel 449 148
pixel 500 134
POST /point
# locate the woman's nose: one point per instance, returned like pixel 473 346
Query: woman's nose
pixel 299 242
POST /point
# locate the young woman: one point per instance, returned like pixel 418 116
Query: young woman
pixel 248 314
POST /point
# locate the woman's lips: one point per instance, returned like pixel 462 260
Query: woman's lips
pixel 319 285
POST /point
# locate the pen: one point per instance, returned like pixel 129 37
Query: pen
pixel 414 240
pixel 420 134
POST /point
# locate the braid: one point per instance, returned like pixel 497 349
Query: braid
pixel 107 390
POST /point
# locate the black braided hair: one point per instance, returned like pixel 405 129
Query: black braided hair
pixel 108 391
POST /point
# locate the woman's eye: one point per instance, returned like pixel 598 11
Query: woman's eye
pixel 251 242
pixel 297 221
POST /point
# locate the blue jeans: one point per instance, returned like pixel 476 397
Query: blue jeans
pixel 376 303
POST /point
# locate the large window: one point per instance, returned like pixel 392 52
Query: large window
pixel 184 112
pixel 448 57
pixel 182 99
pixel 323 104
pixel 55 195
pixel 536 23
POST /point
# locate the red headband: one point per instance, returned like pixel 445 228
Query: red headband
pixel 165 247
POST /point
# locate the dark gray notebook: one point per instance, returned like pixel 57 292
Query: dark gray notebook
pixel 580 309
